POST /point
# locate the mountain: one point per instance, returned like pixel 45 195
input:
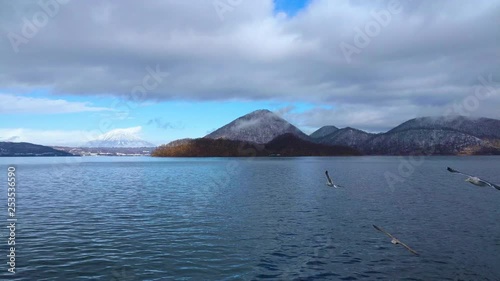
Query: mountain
pixel 206 147
pixel 179 142
pixel 426 135
pixel 260 126
pixel 120 138
pixel 346 137
pixel 439 135
pixel 425 142
pixel 285 145
pixel 458 135
pixel 10 149
pixel 478 127
pixel 323 131
pixel 291 145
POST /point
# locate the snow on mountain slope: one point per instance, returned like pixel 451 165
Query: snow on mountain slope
pixel 433 135
pixel 422 141
pixel 323 131
pixel 346 136
pixel 478 127
pixel 260 126
pixel 120 138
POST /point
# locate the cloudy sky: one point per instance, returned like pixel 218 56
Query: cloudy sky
pixel 72 70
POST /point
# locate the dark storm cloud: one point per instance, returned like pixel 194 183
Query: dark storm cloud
pixel 418 58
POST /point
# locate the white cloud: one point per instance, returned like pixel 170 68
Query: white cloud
pixel 132 130
pixel 46 137
pixel 21 104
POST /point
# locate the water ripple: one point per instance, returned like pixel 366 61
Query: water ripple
pixel 273 219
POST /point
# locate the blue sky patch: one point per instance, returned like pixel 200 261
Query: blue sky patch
pixel 290 7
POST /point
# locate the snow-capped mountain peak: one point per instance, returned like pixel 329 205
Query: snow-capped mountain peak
pixel 260 126
pixel 127 137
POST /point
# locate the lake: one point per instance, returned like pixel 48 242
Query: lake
pixel 142 218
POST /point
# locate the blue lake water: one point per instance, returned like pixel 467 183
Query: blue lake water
pixel 141 218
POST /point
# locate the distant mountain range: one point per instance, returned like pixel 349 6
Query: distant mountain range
pixel 266 133
pixel 457 135
pixel 259 133
pixel 118 142
pixel 14 149
pixel 427 135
